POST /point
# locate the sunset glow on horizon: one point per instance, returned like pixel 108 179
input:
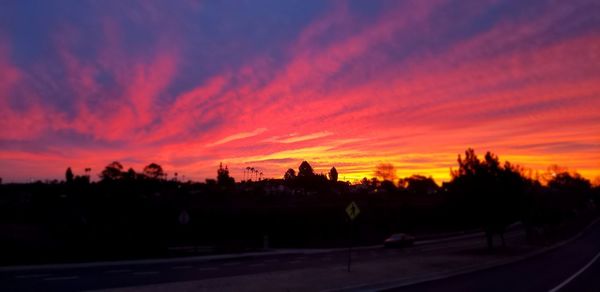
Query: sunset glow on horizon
pixel 268 84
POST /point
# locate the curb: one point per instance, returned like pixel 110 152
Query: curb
pixel 465 270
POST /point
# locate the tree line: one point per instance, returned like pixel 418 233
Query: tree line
pixel 131 214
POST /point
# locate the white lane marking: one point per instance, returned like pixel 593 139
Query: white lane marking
pixel 146 273
pixel 32 276
pixel 181 267
pixel 61 278
pixel 117 271
pixel 565 282
pixel 208 269
pixel 231 264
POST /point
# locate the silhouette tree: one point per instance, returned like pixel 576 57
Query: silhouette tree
pixel 289 175
pixel 69 175
pixel 81 180
pixel 491 193
pixel 387 186
pixel 385 171
pixel 552 171
pixel 87 172
pixel 574 190
pixel 113 171
pixel 567 181
pixel 375 182
pixel 130 174
pixel 365 182
pixel 305 170
pixel 252 170
pixel 223 177
pixel 306 178
pixel 154 171
pixel 333 174
pixel 418 184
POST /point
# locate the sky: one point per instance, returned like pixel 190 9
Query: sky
pixel 270 83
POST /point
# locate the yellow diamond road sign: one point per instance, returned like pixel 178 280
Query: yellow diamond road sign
pixel 352 210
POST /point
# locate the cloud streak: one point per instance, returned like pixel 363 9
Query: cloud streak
pixel 345 84
pixel 238 136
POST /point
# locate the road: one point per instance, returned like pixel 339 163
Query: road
pixel 123 275
pixel 549 269
pixel 571 267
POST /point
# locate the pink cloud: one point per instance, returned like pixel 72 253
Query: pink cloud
pixel 345 101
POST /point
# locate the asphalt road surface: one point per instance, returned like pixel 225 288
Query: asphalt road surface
pixel 541 273
pixel 123 275
pixel 571 267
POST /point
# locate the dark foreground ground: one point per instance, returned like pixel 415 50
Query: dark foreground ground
pixel 572 267
pixel 310 269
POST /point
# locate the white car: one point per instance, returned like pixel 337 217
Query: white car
pixel 399 240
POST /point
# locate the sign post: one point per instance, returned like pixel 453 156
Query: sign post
pixel 352 210
pixel 184 217
pixel 186 232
